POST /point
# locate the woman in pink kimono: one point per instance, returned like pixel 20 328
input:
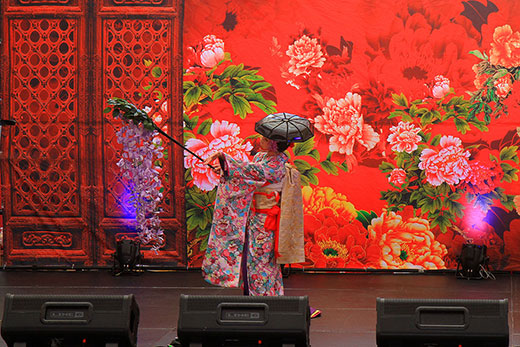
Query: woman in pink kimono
pixel 241 245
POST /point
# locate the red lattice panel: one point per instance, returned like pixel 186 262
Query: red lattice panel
pixel 133 48
pixel 43 101
pixel 138 2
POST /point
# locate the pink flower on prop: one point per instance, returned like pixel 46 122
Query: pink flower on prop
pixel 404 137
pixel 305 53
pixel 225 139
pixel 448 164
pixel 343 120
pixel 503 86
pixel 397 177
pixel 505 48
pixel 441 86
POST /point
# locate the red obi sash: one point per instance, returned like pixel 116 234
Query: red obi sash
pixel 272 221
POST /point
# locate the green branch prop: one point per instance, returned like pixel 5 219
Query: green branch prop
pixel 121 107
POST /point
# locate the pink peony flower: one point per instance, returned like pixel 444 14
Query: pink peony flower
pixel 397 177
pixel 305 53
pixel 503 86
pixel 441 87
pixel 449 164
pixel 225 139
pixel 404 137
pixel 343 120
pixel 213 51
pixel 505 48
pixel 208 53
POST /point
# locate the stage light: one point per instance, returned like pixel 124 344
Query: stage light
pixel 127 256
pixel 473 262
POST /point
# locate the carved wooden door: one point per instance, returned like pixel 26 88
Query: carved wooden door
pixel 61 60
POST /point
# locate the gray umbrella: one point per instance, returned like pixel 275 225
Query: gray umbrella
pixel 285 127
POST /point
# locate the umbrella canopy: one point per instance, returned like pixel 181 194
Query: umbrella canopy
pixel 285 127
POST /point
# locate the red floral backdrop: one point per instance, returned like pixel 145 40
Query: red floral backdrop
pixel 415 106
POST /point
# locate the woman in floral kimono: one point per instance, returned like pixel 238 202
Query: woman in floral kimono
pixel 241 245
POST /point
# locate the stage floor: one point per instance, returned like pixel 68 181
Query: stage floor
pixel 348 301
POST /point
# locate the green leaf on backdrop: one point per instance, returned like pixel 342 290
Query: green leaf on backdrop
pixel 205 127
pixel 192 96
pixel 190 123
pixel 478 54
pixel 386 166
pixel 303 148
pixel 509 153
pixel 206 90
pixel 461 125
pixel 240 105
pixel 365 217
pixel 400 99
pixel 329 167
pixel 260 86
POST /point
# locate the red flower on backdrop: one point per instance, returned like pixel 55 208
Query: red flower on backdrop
pixel 343 120
pixel 397 177
pixel 512 246
pixel 505 48
pixel 453 242
pixel 503 86
pixel 400 244
pixel 483 177
pixel 512 101
pixel 404 137
pixel 448 164
pixel 305 54
pixel 225 139
pixel 480 76
pixel 417 50
pixel 333 237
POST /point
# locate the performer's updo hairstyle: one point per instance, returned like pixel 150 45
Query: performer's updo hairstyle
pixel 282 146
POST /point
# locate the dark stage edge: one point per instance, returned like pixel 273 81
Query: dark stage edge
pixel 348 301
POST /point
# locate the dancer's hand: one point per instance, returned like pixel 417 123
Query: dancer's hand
pixel 215 167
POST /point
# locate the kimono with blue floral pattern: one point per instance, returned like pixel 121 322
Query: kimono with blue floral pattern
pixel 233 219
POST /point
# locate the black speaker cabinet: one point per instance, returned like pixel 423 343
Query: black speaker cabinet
pixel 70 320
pixel 243 321
pixel 442 322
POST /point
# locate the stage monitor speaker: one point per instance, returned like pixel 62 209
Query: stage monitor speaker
pixel 70 320
pixel 206 320
pixel 442 322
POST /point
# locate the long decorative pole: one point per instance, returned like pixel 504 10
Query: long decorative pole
pixel 121 107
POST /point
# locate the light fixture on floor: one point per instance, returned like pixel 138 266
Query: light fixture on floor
pixel 126 257
pixel 473 262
